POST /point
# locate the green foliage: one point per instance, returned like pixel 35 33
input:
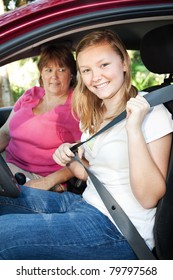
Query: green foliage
pixel 12 4
pixel 141 77
pixel 23 74
pixel 17 92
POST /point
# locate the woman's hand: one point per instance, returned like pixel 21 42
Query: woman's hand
pixel 41 183
pixel 44 184
pixel 136 109
pixel 53 181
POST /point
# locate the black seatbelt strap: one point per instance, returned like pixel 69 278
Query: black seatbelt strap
pixel 123 222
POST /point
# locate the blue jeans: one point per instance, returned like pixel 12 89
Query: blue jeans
pixel 43 225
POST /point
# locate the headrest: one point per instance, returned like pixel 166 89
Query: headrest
pixel 157 50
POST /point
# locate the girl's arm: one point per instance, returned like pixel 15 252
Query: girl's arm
pixel 148 162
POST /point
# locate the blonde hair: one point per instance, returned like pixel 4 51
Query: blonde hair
pixel 88 107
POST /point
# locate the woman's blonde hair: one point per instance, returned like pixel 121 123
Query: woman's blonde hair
pixel 88 107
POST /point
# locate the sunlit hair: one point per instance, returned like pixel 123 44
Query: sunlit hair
pixel 87 105
pixel 58 54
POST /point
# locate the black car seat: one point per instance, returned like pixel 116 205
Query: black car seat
pixel 157 55
pixel 4 114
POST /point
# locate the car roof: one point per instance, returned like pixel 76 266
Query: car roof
pixel 26 29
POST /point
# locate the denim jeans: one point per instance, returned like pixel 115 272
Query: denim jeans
pixel 44 225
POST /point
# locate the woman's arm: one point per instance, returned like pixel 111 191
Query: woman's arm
pixel 148 162
pixel 74 169
pixel 48 182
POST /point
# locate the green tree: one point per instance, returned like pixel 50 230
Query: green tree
pixel 12 4
pixel 141 77
pixel 6 97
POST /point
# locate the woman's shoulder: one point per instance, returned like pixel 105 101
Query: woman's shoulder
pixel 29 96
pixel 34 92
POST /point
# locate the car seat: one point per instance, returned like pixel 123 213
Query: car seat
pixel 157 55
pixel 4 114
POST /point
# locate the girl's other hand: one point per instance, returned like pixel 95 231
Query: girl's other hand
pixel 136 109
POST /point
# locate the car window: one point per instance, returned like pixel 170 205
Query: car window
pixel 23 74
pixel 141 77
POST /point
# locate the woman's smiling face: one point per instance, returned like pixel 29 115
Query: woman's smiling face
pixel 102 70
pixel 56 79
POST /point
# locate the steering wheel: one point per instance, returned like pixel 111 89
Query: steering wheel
pixel 8 183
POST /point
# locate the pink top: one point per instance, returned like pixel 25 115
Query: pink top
pixel 34 138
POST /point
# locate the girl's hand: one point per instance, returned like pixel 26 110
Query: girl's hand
pixel 136 109
pixel 63 155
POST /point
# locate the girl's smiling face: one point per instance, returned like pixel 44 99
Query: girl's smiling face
pixel 102 70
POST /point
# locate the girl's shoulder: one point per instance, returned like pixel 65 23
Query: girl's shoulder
pixel 157 123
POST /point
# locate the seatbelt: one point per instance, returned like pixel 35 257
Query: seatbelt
pixel 120 218
pixel 154 98
pixel 123 222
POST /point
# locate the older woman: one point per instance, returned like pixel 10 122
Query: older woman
pixel 41 120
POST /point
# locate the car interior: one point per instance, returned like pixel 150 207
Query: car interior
pixel 154 39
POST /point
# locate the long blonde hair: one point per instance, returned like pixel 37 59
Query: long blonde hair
pixel 88 107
